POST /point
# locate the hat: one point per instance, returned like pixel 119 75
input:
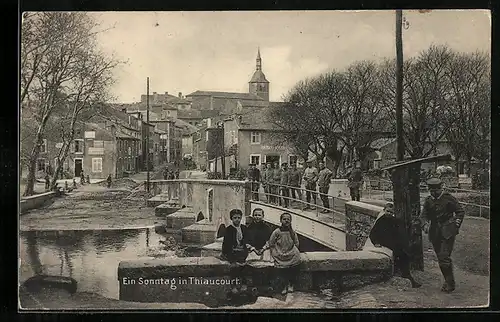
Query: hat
pixel 434 183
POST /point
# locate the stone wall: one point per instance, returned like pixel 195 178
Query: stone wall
pixel 360 217
pixel 194 194
pixel 207 279
pixel 36 201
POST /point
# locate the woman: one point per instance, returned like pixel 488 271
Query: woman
pixel 284 246
pixel 235 247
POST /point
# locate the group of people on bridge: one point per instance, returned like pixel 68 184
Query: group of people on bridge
pixel 283 185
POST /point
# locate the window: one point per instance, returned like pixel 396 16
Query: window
pixel 89 134
pixel 96 164
pixel 255 159
pixel 129 150
pixel 206 136
pixel 43 148
pixel 78 146
pixel 255 137
pixel 40 165
pixel 98 144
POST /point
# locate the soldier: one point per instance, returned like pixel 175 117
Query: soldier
pixel 324 179
pixel 285 190
pixel 47 182
pixel 295 181
pixel 253 175
pixel 276 182
pixel 310 176
pixel 82 178
pixel 108 181
pixel 267 175
pixel 441 218
pixel 355 182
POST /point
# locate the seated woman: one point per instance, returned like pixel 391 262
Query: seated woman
pixel 235 247
pixel 284 246
pixel 388 231
pixel 259 232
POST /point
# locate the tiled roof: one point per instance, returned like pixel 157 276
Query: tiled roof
pixel 259 77
pixel 230 95
pixel 254 103
pixel 185 127
pixel 256 120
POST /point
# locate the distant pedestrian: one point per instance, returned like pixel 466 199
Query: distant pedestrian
pixel 253 175
pixel 284 246
pixel 47 182
pixel 88 179
pixel 165 174
pixel 108 180
pixel 176 173
pixel 355 181
pixel 82 178
pixel 276 183
pixel 442 216
pixel 74 183
pixel 285 189
pixel 295 182
pixel 66 187
pixel 389 231
pixel 267 180
pixel 311 177
pixel 324 179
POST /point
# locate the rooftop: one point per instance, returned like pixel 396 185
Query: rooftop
pixel 230 95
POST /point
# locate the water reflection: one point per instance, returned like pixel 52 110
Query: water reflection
pixel 90 257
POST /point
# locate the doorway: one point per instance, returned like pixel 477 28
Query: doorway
pixel 78 167
pixel 273 159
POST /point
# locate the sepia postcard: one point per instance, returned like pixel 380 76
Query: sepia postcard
pixel 254 160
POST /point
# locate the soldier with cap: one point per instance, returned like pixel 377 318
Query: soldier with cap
pixel 276 182
pixel 253 175
pixel 441 218
pixel 267 180
pixel 285 190
pixel 310 177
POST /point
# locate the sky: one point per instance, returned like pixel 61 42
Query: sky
pixel 189 51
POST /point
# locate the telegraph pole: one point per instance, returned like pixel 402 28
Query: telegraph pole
pixel 400 145
pixel 147 133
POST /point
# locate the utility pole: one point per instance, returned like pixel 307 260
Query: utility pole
pixel 400 149
pixel 147 133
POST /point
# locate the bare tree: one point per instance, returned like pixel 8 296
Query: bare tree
pixel 468 101
pixel 57 50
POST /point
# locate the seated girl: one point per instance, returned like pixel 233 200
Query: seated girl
pixel 235 247
pixel 259 232
pixel 284 246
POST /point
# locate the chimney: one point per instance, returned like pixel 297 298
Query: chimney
pixel 180 94
pixel 166 93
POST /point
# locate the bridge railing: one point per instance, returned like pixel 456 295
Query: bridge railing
pixel 282 195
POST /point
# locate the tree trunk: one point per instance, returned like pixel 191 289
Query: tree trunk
pixel 414 229
pixel 35 152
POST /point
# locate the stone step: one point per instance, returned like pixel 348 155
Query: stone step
pixel 202 232
pixel 181 218
pixel 167 208
pixel 157 200
pixel 38 282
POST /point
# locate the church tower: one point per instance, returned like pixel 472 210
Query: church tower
pixel 259 85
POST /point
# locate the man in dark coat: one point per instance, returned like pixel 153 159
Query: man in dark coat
pixel 275 188
pixel 389 231
pixel 253 175
pixel 441 217
pixel 267 180
pixel 285 190
pixel 295 181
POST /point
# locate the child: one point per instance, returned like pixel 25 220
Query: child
pixel 388 231
pixel 284 245
pixel 258 231
pixel 235 247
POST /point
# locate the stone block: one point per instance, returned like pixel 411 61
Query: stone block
pixel 166 209
pixel 157 200
pixel 160 228
pixel 180 219
pixel 199 233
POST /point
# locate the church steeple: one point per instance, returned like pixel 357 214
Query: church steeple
pixel 258 60
pixel 259 85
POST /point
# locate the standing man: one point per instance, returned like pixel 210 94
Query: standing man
pixel 82 178
pixel 253 175
pixel 285 190
pixel 441 218
pixel 324 179
pixel 355 182
pixel 295 181
pixel 310 176
pixel 267 179
pixel 276 182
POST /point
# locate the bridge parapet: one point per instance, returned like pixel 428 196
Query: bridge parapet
pixel 213 198
pixel 360 218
